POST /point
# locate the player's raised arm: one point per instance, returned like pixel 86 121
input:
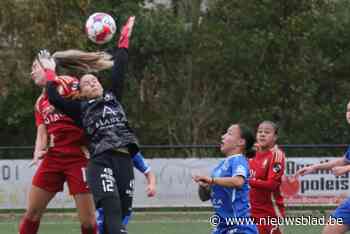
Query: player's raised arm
pixel 322 166
pixel 68 107
pixel 121 59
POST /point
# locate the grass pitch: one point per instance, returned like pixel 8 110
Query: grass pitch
pixel 142 223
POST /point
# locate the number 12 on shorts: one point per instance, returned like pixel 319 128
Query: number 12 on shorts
pixel 107 180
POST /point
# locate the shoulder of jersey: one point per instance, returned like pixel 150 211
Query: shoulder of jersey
pixel 278 156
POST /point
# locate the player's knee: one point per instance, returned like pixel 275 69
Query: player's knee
pixel 34 214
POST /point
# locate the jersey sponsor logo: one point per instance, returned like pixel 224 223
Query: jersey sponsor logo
pixel 108 111
pixel 217 203
pixel 50 114
pixel 108 123
pixel 252 173
pixel 110 118
pixel 53 118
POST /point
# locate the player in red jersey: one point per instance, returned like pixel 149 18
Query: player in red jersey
pixel 60 143
pixel 266 170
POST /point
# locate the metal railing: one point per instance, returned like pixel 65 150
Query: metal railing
pixel 204 150
pixel 294 146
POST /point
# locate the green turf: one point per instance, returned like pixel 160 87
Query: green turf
pixel 142 223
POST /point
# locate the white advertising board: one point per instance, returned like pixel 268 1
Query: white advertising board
pixel 175 187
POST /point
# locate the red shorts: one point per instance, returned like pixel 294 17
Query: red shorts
pixel 54 171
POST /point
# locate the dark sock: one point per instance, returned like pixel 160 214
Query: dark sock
pixel 112 215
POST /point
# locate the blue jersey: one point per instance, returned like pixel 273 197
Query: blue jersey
pixel 231 202
pixel 343 210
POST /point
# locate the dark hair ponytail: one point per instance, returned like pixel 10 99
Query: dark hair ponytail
pixel 249 137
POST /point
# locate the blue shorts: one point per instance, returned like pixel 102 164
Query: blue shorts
pixel 237 229
pixel 343 212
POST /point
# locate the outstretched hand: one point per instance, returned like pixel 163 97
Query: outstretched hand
pixel 202 180
pixel 38 155
pixel 151 190
pixel 125 33
pixel 339 170
pixel 45 60
pixel 305 171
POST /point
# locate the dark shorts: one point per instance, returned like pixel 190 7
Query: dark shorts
pixel 111 174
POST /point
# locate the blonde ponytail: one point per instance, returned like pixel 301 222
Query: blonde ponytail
pixel 86 62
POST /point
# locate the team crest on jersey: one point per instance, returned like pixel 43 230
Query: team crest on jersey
pixel 75 86
pixel 108 97
pixel 264 164
pixel 277 167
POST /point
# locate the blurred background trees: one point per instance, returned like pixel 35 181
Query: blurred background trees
pixel 195 66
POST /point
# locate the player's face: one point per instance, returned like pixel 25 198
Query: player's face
pixel 90 87
pixel 231 141
pixel 38 74
pixel 266 136
pixel 348 112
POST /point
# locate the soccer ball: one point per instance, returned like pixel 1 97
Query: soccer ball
pixel 100 27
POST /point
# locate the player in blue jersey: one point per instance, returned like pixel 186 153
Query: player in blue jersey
pixel 228 183
pixel 142 166
pixel 340 222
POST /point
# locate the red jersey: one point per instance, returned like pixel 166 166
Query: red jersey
pixel 266 171
pixel 65 138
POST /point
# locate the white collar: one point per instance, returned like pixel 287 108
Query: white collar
pixel 234 155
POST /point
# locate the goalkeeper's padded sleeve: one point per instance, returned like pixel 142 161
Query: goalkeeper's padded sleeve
pixel 140 163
